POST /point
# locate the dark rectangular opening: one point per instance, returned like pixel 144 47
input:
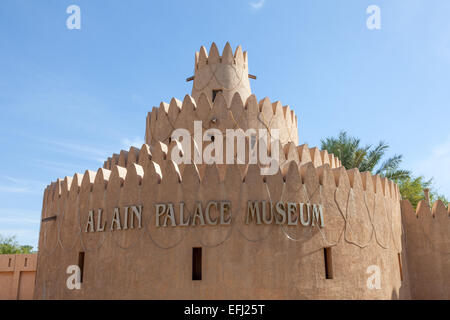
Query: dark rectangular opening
pixel 9 263
pixel 49 218
pixel 81 264
pixel 400 266
pixel 328 258
pixel 196 263
pixel 215 92
pixel 26 262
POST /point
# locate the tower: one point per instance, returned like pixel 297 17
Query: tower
pixel 154 214
pixel 221 98
pixel 227 74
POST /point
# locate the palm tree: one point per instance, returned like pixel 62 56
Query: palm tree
pixel 365 158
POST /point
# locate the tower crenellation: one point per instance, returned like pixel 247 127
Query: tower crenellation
pixel 226 73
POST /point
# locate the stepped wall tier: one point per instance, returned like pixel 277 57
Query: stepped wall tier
pixel 361 225
pixel 311 230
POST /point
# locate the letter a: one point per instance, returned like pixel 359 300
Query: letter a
pixel 374 21
pixel 90 222
pixel 74 280
pixel 73 21
pixel 374 281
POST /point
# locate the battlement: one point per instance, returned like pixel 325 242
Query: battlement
pixel 238 59
pixel 156 162
pixel 361 214
pixel 424 212
pixel 222 115
pixel 160 151
pixel 359 209
pixel 227 74
pixel 170 171
pixel 427 246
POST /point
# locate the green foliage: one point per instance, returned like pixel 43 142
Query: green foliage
pixel 366 158
pixel 412 189
pixel 9 245
pixel 435 195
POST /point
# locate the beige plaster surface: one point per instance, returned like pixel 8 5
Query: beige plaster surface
pixel 17 276
pixel 366 222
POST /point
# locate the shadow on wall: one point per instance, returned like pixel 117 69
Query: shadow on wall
pixel 403 294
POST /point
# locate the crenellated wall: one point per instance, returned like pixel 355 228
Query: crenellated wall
pixel 366 226
pixel 362 226
pixel 160 151
pixel 17 275
pixel 427 233
pixel 228 73
pixel 221 115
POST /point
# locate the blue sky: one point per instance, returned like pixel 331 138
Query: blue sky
pixel 71 98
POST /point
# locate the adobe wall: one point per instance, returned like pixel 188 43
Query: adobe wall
pixel 239 113
pixel 17 275
pixel 228 73
pixel 363 224
pixel 427 233
pixel 240 261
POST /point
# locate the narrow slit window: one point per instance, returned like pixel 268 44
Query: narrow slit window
pixel 81 264
pixel 196 263
pixel 215 92
pixel 400 266
pixel 26 262
pixel 328 258
pixel 253 142
pixel 9 263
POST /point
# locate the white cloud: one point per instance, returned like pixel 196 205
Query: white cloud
pixel 14 185
pixel 22 181
pixel 81 151
pixel 19 213
pixel 135 142
pixel 14 189
pixel 60 167
pixel 19 220
pixel 78 148
pixel 256 5
pixel 437 166
pixel 17 232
